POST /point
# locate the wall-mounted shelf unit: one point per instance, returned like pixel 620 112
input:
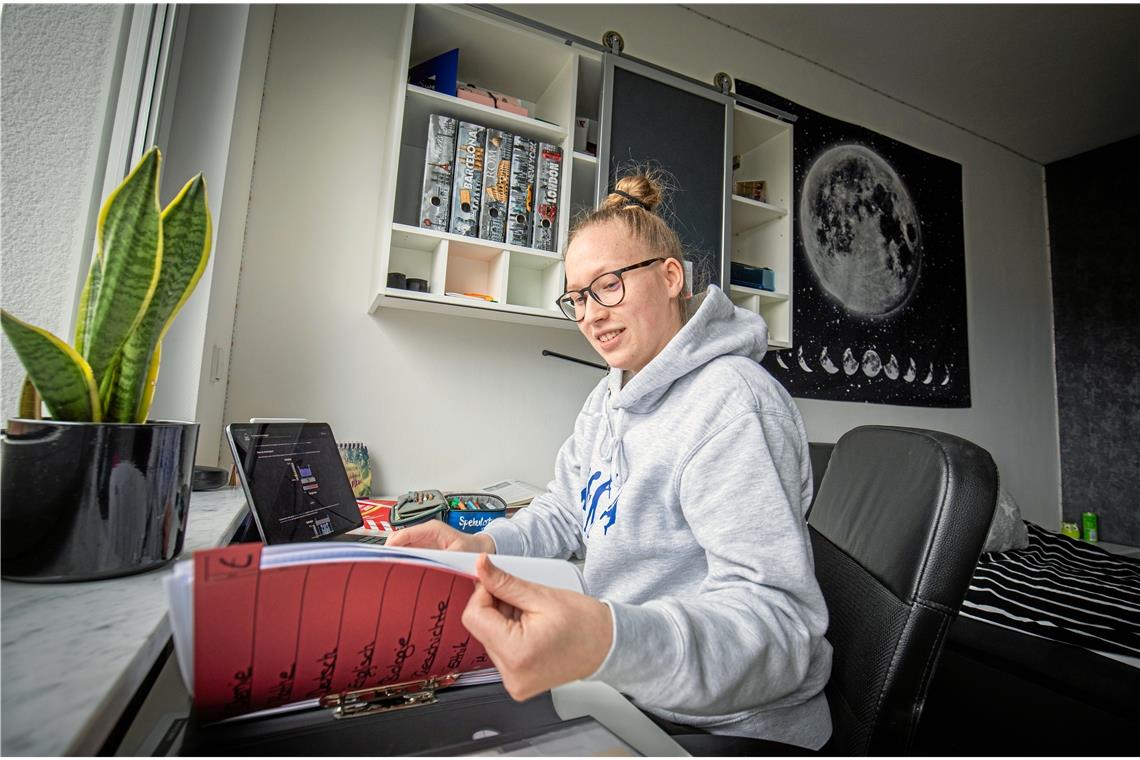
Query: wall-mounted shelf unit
pixel 563 81
pixel 762 231
pixel 498 55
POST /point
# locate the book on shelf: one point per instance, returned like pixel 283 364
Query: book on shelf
pixel 342 625
pixel 496 185
pixel 354 454
pixel 439 73
pixel 439 158
pixel 520 202
pixel 547 193
pixel 467 188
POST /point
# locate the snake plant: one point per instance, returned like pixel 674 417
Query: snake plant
pixel 147 262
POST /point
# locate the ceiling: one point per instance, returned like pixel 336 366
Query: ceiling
pixel 1045 81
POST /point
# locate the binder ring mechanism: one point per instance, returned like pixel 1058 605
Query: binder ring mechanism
pixel 379 699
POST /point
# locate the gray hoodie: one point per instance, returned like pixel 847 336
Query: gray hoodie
pixel 687 490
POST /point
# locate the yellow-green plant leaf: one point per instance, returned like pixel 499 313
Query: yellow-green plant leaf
pixel 59 373
pixel 108 383
pixel 151 383
pixel 186 249
pixel 83 324
pixel 29 401
pixel 129 257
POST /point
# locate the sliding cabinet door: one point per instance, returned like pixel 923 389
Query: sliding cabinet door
pixel 651 117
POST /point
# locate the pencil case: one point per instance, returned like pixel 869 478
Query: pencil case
pixel 468 512
pixel 471 512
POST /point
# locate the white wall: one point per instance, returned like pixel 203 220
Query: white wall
pixel 449 402
pixel 441 401
pixel 57 82
pixel 1014 412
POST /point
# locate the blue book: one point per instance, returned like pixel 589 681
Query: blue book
pixel 439 73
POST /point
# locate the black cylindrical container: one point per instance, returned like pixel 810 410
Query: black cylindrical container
pixel 89 500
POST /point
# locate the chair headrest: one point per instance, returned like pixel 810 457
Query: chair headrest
pixel 895 498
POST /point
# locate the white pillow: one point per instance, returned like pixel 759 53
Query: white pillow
pixel 1007 529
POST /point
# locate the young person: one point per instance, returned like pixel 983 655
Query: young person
pixel 685 482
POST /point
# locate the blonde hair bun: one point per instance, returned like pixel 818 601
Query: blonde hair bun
pixel 637 190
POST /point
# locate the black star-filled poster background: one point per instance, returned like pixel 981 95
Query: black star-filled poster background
pixel 878 268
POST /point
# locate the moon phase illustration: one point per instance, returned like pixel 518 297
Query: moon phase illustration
pixel 803 364
pixel 850 366
pixel 861 231
pixel 911 372
pixel 929 375
pixel 780 359
pixel 826 363
pixel 872 364
pixel 945 380
pixel 891 368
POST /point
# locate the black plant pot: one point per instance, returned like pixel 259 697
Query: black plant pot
pixel 86 501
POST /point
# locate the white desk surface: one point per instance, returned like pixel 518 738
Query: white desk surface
pixel 73 654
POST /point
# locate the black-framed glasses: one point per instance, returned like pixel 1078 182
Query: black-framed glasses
pixel 608 289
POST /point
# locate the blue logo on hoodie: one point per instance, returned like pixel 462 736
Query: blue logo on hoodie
pixel 591 498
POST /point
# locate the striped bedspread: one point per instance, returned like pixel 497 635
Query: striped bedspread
pixel 1062 589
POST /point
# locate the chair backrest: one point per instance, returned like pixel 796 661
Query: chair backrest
pixel 896 529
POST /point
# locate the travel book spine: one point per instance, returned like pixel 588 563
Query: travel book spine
pixel 496 185
pixel 520 203
pixel 467 189
pixel 548 188
pixel 439 159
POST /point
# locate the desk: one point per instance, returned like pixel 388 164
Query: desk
pixel 74 654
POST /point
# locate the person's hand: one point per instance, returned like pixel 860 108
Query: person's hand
pixel 434 534
pixel 538 637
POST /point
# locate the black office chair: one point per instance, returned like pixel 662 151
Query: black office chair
pixel 896 529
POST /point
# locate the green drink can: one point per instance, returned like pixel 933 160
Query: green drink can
pixel 1088 523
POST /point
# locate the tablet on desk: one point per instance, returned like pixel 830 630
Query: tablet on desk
pixel 581 737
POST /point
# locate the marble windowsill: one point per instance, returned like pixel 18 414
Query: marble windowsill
pixel 75 653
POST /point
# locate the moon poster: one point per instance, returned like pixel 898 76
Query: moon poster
pixel 879 301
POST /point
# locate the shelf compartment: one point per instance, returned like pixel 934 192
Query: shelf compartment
pixel 766 246
pixel 770 161
pixel 494 54
pixel 752 128
pixel 419 256
pixel 534 282
pixel 747 213
pixel 474 268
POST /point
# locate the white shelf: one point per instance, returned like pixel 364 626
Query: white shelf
pixel 421 238
pixel 585 158
pixel 763 295
pixel 468 307
pixel 421 102
pixel 747 213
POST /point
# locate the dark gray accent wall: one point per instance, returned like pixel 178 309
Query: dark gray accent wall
pixel 1094 237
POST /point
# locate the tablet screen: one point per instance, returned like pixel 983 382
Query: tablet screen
pixel 295 480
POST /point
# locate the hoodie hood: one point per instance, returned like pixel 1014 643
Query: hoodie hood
pixel 716 328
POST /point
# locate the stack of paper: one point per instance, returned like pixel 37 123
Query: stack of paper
pixel 278 627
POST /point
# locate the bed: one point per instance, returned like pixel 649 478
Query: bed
pixel 1044 656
